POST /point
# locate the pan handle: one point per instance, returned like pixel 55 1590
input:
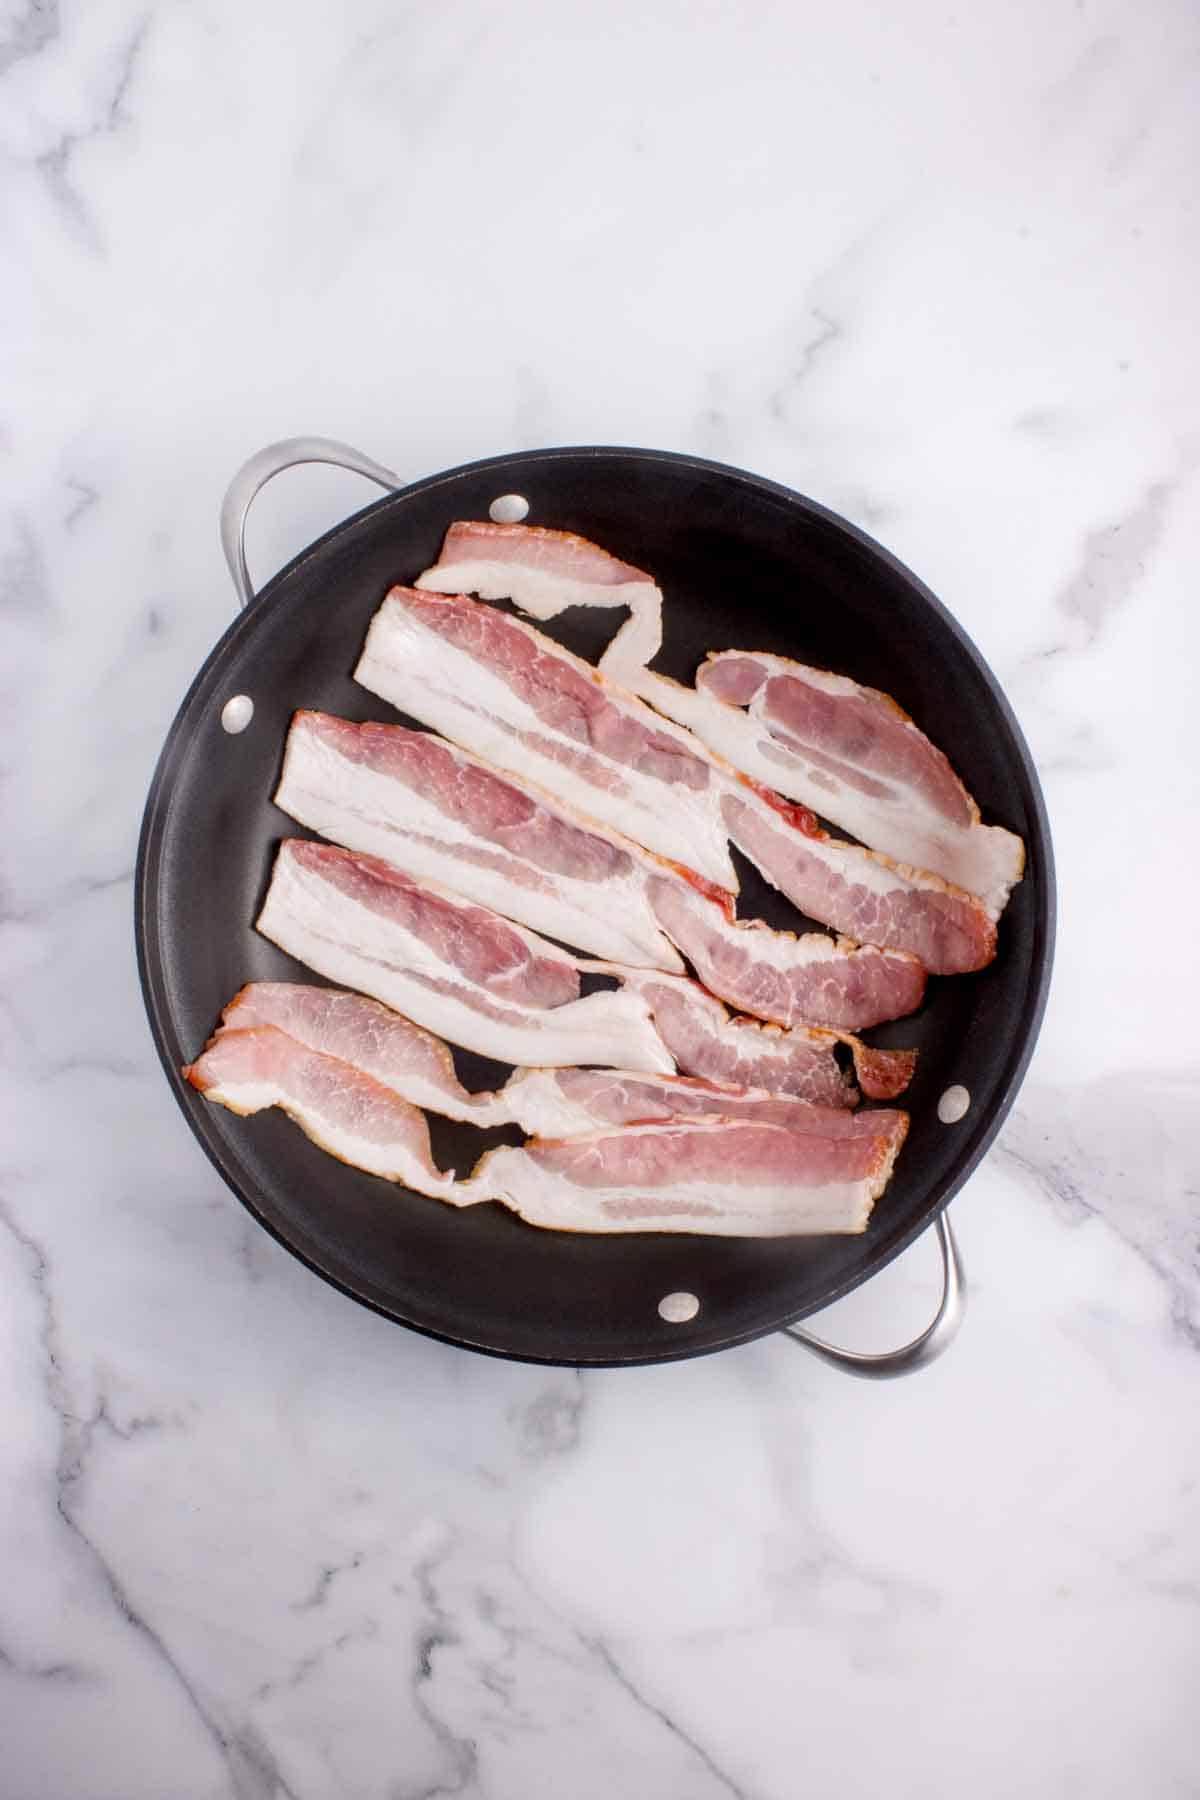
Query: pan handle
pixel 260 469
pixel 937 1336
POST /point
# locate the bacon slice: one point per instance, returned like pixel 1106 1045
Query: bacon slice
pixel 851 754
pixel 725 1177
pixel 642 1178
pixel 706 1042
pixel 417 1066
pixel 811 978
pixel 502 689
pixel 371 1038
pixel 859 892
pixel 785 979
pixel 445 816
pixel 398 793
pixel 338 1107
pixel 454 968
pixel 557 1103
pixel 543 572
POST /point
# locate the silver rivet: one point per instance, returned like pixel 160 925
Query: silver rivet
pixel 508 509
pixel 954 1105
pixel 677 1309
pixel 236 714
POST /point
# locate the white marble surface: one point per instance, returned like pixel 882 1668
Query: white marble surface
pixel 934 265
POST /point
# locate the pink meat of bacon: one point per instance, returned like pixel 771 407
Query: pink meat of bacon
pixel 785 979
pixel 502 689
pixel 543 572
pixel 848 752
pixel 557 1103
pixel 452 967
pixel 706 1042
pixel 866 896
pixel 337 1106
pixel 724 1177
pixel 445 816
pixel 371 1038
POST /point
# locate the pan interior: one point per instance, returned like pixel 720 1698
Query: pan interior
pixel 743 564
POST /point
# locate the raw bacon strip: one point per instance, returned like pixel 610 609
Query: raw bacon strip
pixel 643 1178
pixel 859 892
pixel 498 687
pixel 390 791
pixel 543 572
pixel 706 1042
pixel 556 1103
pixel 338 1107
pixel 851 754
pixel 445 816
pixel 469 673
pixel 370 1037
pixel 788 980
pixel 724 1177
pixel 454 968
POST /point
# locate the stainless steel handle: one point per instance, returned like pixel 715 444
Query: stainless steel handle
pixel 937 1336
pixel 262 468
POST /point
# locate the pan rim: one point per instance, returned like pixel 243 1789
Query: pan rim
pixel 1040 861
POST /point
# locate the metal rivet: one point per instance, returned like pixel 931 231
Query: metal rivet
pixel 508 509
pixel 954 1105
pixel 677 1309
pixel 236 714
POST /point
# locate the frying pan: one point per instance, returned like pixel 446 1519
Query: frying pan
pixel 742 563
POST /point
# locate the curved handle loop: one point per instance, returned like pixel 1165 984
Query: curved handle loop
pixel 937 1336
pixel 262 468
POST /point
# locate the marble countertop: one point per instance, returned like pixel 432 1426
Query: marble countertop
pixel 935 267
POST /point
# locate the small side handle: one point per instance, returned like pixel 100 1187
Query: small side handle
pixel 937 1336
pixel 262 468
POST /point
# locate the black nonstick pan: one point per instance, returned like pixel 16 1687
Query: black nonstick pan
pixel 742 563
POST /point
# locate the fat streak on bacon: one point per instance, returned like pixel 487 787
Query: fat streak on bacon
pixel 502 689
pixel 848 752
pixel 451 966
pixel 445 816
pixel 543 572
pixel 676 1176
